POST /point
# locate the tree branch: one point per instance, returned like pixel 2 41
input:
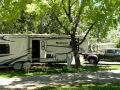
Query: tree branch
pixel 79 14
pixel 68 14
pixel 64 8
pixel 69 9
pixel 87 32
pixel 73 3
pixel 57 19
pixel 60 23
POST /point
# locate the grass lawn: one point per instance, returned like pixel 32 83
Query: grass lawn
pixel 55 70
pixel 85 86
pixel 63 69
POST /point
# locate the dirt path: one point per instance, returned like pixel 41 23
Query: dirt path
pixel 58 79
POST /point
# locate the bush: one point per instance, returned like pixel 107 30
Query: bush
pixel 118 44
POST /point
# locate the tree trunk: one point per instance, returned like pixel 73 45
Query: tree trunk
pixel 77 59
pixel 40 29
pixel 75 46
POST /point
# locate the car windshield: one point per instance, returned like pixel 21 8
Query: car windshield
pixel 117 51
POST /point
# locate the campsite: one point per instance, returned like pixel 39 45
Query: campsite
pixel 44 44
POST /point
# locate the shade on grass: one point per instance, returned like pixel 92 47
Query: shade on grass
pixel 85 86
pixel 55 70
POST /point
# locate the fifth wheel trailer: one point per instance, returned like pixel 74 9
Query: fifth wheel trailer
pixel 15 49
pixel 100 47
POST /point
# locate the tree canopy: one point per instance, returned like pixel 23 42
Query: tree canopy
pixel 86 12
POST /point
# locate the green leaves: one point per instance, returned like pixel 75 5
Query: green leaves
pixel 10 9
pixel 71 13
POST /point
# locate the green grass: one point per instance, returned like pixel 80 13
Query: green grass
pixel 55 70
pixel 100 68
pixel 85 86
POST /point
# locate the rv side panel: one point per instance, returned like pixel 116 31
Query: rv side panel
pixel 17 48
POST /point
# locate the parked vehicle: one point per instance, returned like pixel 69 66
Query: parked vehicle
pixel 110 54
pixel 16 49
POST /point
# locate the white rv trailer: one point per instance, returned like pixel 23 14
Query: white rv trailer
pixel 15 49
pixel 100 47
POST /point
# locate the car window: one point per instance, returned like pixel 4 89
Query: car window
pixel 117 51
pixel 110 51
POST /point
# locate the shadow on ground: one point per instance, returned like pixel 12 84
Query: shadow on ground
pixel 59 79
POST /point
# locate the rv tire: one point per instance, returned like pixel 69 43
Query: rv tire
pixel 17 66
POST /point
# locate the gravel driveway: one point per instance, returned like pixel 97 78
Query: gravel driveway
pixel 59 79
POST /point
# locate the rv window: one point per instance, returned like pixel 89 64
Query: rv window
pixel 49 55
pixel 43 45
pixel 4 49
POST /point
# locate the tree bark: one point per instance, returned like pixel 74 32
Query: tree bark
pixel 77 59
pixel 40 29
pixel 75 50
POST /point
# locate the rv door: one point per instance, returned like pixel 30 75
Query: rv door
pixel 42 49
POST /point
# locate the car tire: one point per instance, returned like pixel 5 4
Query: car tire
pixel 96 62
pixel 92 61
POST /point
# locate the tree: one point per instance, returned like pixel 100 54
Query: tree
pixel 11 9
pixel 71 14
pixel 26 23
pixel 52 26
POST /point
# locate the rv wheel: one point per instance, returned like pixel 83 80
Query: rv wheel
pixel 17 66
